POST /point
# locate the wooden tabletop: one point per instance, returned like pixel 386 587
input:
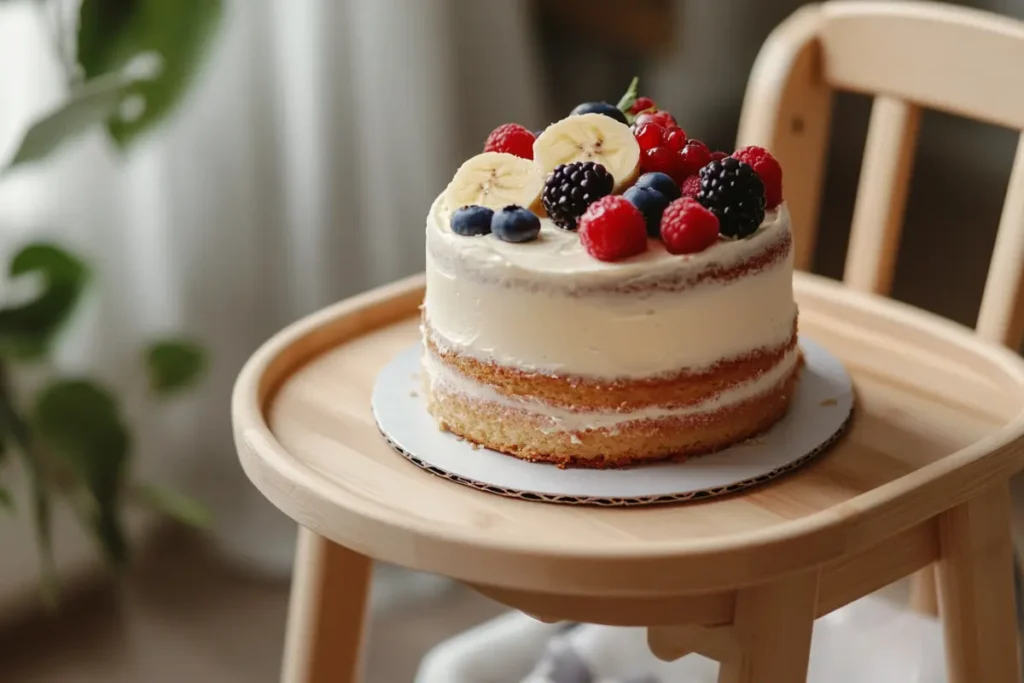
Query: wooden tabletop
pixel 937 415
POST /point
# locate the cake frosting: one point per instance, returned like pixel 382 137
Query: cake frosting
pixel 548 307
pixel 603 295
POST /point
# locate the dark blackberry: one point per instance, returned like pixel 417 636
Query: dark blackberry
pixel 571 188
pixel 733 191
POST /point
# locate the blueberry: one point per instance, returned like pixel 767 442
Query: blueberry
pixel 515 224
pixel 472 220
pixel 662 182
pixel 600 108
pixel 651 204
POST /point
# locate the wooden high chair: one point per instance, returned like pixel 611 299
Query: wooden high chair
pixel 920 479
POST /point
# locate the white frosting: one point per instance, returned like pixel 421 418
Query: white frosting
pixel 557 419
pixel 548 306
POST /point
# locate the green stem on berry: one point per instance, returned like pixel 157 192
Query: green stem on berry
pixel 626 102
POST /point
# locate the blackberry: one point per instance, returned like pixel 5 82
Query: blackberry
pixel 571 188
pixel 733 191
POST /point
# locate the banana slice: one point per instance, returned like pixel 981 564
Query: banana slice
pixel 495 180
pixel 590 137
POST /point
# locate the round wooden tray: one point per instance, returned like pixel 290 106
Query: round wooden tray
pixel 938 415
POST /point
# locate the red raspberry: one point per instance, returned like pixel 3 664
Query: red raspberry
pixel 769 170
pixel 687 227
pixel 692 157
pixel 691 186
pixel 675 138
pixel 662 118
pixel 612 228
pixel 642 104
pixel 649 135
pixel 511 138
pixel 716 156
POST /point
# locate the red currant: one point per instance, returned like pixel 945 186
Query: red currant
pixel 642 104
pixel 692 157
pixel 660 159
pixel 649 135
pixel 662 118
pixel 675 139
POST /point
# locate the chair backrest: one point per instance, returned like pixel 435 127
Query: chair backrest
pixel 909 56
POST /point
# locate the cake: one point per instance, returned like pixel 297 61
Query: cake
pixel 609 292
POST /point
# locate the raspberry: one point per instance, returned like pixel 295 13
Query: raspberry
pixel 658 159
pixel 662 118
pixel 642 104
pixel 675 138
pixel 649 135
pixel 511 138
pixel 687 227
pixel 768 168
pixel 691 186
pixel 692 157
pixel 611 229
pixel 716 156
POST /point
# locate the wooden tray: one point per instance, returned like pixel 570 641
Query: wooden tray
pixel 938 413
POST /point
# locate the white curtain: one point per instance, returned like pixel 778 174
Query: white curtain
pixel 298 171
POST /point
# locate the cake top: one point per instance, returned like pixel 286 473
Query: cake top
pixel 610 184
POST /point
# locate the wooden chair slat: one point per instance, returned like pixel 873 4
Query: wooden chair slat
pixel 1001 319
pixel 882 195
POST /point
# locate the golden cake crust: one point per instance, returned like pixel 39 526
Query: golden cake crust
pixel 520 432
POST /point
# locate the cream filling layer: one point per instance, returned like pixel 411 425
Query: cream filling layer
pixel 441 379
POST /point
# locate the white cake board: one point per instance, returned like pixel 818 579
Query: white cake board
pixel 817 417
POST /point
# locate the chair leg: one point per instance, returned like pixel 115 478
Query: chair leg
pixel 773 625
pixel 976 594
pixel 924 596
pixel 324 638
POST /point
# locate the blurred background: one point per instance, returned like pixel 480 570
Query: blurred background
pixel 295 169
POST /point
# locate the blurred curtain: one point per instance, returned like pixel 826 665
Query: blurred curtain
pixel 298 171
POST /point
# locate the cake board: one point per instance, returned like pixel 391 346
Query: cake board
pixel 821 408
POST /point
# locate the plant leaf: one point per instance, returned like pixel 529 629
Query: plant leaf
pixel 173 365
pixel 174 505
pixel 28 330
pixel 88 104
pixel 6 500
pixel 629 98
pixel 80 425
pixel 112 33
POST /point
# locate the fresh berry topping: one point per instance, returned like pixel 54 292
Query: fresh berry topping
pixel 658 159
pixel 692 157
pixel 601 108
pixel 649 135
pixel 612 229
pixel 675 138
pixel 472 220
pixel 691 186
pixel 687 227
pixel 768 168
pixel 515 224
pixel 511 138
pixel 642 104
pixel 571 188
pixel 651 204
pixel 734 192
pixel 662 118
pixel 715 156
pixel 662 182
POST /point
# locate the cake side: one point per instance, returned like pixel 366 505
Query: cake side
pixel 539 431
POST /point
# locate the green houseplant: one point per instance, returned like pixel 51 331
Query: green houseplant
pixel 127 64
